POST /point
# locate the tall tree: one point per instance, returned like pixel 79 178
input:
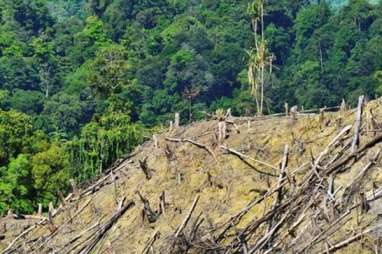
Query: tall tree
pixel 109 70
pixel 258 54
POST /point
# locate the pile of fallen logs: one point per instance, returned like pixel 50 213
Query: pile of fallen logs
pixel 97 231
pixel 308 212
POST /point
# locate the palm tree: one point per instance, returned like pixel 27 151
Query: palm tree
pixel 257 55
pixel 252 75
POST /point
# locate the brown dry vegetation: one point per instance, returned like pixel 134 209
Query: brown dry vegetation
pixel 225 184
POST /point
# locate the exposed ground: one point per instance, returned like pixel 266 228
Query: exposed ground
pixel 326 199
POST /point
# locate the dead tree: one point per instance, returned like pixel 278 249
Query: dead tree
pixel 52 228
pixel 286 107
pixel 170 155
pixel 103 229
pixel 155 140
pixel 358 122
pixel 293 112
pixel 39 211
pixel 145 168
pixel 343 106
pixel 222 129
pixel 74 187
pixel 177 120
pixel 322 116
pixel 371 124
pixel 228 114
pixel 147 212
pixel 171 126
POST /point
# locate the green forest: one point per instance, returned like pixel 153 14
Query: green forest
pixel 83 82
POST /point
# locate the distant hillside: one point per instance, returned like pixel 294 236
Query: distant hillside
pixel 198 190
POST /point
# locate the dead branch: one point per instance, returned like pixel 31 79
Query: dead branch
pixel 357 154
pixel 243 157
pixel 234 126
pixel 105 227
pixel 62 226
pixel 266 238
pixel 151 242
pixel 349 240
pixel 104 179
pixel 282 175
pixel 354 185
pixel 205 147
pixel 162 203
pixel 318 238
pixel 9 249
pixel 187 218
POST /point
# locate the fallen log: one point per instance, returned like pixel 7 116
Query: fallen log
pixel 105 227
pixel 357 154
pixel 187 218
pixel 350 240
pixel 350 189
pixel 266 238
pixel 205 147
pixel 61 227
pixel 242 157
pixel 151 242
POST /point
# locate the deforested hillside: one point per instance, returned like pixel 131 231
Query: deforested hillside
pixel 83 82
pixel 302 183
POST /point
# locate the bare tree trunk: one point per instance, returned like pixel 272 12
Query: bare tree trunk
pixel 177 120
pixel 155 140
pixel 357 124
pixel 171 126
pixel 39 211
pixel 262 89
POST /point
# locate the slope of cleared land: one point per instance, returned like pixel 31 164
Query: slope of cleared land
pixel 268 185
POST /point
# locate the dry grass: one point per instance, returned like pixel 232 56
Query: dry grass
pixel 225 184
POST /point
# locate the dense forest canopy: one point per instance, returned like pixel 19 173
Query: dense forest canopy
pixel 82 82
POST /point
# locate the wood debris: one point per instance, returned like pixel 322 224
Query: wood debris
pixel 323 199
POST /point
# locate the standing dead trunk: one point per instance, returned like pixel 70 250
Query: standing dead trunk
pixel 51 207
pixel 171 126
pixel 145 168
pixel 177 120
pixel 147 213
pixel 74 187
pixel 222 131
pixel 39 211
pixel 155 140
pixel 358 123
